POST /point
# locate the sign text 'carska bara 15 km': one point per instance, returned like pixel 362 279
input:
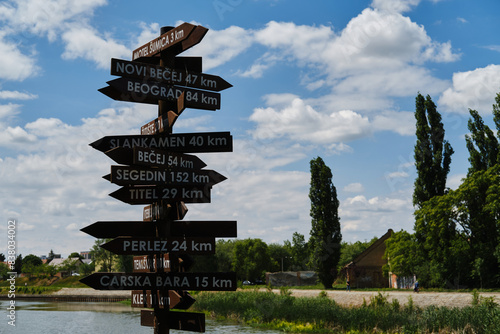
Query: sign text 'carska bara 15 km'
pixel 156 168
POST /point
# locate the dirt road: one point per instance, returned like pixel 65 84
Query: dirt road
pixel 344 298
pixel 421 299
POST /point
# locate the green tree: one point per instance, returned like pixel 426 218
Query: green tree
pixel 125 263
pixel 103 258
pixel 432 152
pixel 400 252
pixel 75 255
pixel 281 257
pixel 436 221
pixel 86 268
pixel 325 224
pixel 251 258
pixel 481 143
pixel 224 253
pixel 299 252
pixel 4 269
pixel 477 202
pixel 18 263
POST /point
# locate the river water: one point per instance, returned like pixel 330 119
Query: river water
pixel 34 317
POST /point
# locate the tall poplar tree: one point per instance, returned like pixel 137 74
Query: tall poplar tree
pixel 325 224
pixel 432 152
pixel 481 143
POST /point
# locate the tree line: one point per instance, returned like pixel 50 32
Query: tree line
pixel 456 232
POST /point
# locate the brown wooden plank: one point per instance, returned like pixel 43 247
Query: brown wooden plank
pixel 165 41
pixel 201 142
pixel 153 245
pixel 186 321
pixel 178 228
pixel 221 281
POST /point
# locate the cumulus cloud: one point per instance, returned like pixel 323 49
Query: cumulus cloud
pixel 220 46
pixel 15 65
pixel 300 122
pixel 375 215
pixel 475 89
pixel 86 43
pixel 46 17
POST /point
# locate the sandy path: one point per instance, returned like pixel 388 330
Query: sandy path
pixel 422 299
pixel 344 298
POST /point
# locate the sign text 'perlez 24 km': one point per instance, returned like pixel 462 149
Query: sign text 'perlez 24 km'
pixel 155 169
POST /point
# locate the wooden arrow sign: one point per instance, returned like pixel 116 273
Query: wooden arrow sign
pixel 126 175
pixel 166 281
pixel 154 158
pixel 202 142
pixel 197 193
pixel 176 40
pixel 178 228
pixel 151 246
pixel 180 300
pixel 165 122
pixel 135 90
pixel 146 264
pixel 178 77
pixel 186 321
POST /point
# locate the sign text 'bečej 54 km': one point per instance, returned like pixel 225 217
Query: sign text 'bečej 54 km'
pixel 155 169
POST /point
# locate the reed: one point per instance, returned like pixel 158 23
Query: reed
pixel 320 314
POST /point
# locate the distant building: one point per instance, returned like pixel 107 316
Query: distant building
pixel 365 271
pixel 59 263
pixel 86 257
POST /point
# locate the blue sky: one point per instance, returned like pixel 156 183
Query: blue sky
pixel 334 79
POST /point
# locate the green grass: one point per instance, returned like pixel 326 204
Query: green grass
pixel 320 314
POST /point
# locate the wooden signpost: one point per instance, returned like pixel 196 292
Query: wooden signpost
pixel 155 169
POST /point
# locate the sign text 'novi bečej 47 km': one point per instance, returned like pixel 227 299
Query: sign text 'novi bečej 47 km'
pixel 155 169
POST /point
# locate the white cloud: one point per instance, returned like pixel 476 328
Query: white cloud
pixel 354 188
pixel 300 122
pixel 15 65
pixel 15 95
pixel 220 46
pixel 46 17
pixel 402 122
pixel 474 89
pixel 361 215
pixel 399 6
pixel 85 42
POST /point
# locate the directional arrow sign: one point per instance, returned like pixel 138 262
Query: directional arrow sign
pixel 146 264
pixel 178 228
pixel 144 298
pixel 186 321
pixel 182 38
pixel 202 142
pixel 166 281
pixel 181 300
pixel 197 193
pixel 179 77
pixel 135 90
pixel 154 158
pixel 126 175
pixel 151 246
